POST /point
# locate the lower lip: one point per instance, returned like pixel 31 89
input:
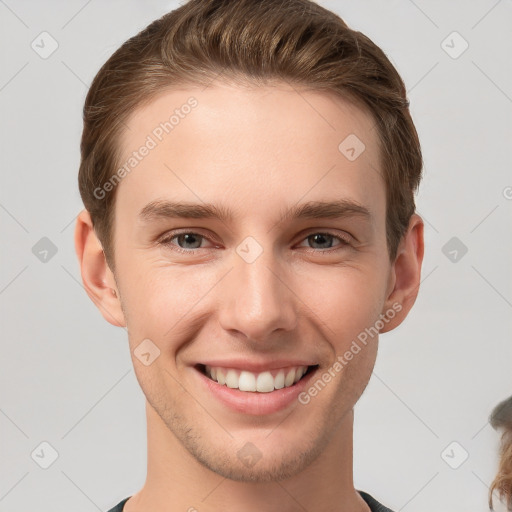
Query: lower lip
pixel 255 403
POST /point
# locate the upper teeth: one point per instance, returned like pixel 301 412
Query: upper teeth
pixel 263 382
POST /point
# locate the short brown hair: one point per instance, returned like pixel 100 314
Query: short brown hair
pixel 258 41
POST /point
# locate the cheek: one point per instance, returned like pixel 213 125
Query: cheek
pixel 339 301
pixel 159 301
pixel 344 300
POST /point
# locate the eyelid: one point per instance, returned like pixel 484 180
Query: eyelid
pixel 166 238
pixel 345 240
pixel 344 236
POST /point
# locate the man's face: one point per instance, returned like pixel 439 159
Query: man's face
pixel 262 291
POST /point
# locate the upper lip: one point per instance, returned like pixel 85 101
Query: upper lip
pixel 256 366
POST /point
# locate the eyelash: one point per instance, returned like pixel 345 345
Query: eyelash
pixel 166 241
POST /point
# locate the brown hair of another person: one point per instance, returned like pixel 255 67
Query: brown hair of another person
pixel 501 418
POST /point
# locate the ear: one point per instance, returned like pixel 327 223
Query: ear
pixel 405 275
pixel 98 279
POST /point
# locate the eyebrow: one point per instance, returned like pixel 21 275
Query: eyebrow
pixel 162 209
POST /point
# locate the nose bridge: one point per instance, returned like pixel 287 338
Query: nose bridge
pixel 257 299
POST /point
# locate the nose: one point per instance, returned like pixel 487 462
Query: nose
pixel 258 300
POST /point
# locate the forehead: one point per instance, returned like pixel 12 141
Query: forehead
pixel 251 148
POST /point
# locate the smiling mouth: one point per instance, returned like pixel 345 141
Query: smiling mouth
pixel 261 382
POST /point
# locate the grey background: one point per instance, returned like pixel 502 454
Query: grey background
pixel 65 374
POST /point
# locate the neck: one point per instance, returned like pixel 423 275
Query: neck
pixel 176 481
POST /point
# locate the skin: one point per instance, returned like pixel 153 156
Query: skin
pixel 257 151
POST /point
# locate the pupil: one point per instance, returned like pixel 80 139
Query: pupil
pixel 320 236
pixel 187 237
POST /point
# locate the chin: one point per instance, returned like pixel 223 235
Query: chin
pixel 268 456
pixel 269 467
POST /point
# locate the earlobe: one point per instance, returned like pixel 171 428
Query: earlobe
pixel 405 275
pixel 97 277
